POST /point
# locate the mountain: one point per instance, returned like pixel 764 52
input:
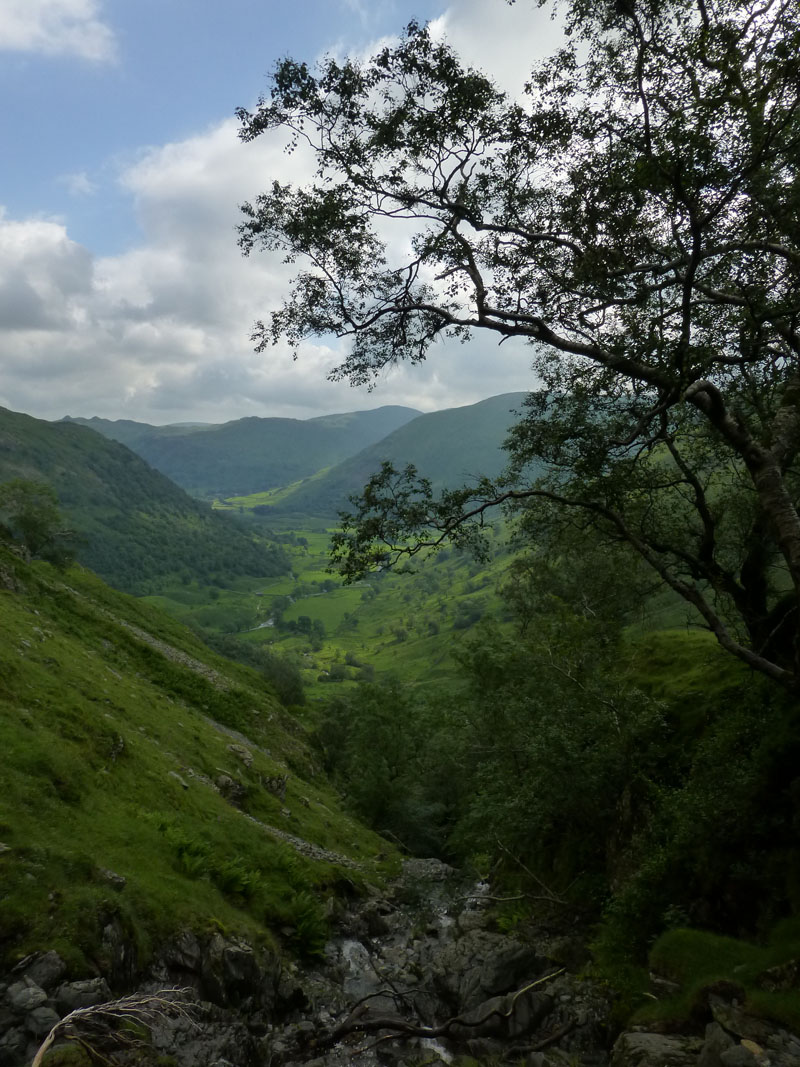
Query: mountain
pixel 449 447
pixel 137 527
pixel 151 790
pixel 128 432
pixel 253 454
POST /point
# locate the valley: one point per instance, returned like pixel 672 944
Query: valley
pixel 223 780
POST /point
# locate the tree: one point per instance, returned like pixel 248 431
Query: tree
pixel 29 514
pixel 634 218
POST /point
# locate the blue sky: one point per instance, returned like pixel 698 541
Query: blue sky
pixel 166 69
pixel 122 292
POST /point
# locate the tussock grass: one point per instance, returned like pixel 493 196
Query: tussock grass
pixel 697 959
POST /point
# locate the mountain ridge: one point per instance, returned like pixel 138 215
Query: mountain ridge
pixel 251 454
pixel 448 447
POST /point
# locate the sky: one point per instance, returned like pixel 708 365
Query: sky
pixel 123 292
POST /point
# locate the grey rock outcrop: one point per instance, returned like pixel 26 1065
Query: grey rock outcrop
pixel 655 1050
pixel 482 964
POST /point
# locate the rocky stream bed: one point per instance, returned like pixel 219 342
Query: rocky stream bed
pixel 417 975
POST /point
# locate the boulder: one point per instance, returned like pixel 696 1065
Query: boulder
pixel 46 970
pixel 184 954
pixel 740 1056
pixel 232 974
pixel 232 789
pixel 508 1017
pixel 116 881
pixel 482 964
pixel 655 1050
pixel 24 996
pixel 716 1042
pixel 83 994
pixel 13 1044
pixel 41 1021
pixel 727 1011
pixel 241 753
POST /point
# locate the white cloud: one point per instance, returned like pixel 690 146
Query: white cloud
pixel 504 40
pixel 161 332
pixel 56 27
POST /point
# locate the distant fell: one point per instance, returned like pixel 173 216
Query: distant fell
pixel 137 527
pixel 128 432
pixel 252 454
pixel 449 447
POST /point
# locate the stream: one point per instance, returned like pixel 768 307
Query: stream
pixel 421 976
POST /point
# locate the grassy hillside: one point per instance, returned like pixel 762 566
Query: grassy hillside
pixel 137 528
pixel 448 447
pixel 130 750
pixel 253 454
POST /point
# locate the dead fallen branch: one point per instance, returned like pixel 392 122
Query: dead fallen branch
pixel 105 1030
pixel 361 1021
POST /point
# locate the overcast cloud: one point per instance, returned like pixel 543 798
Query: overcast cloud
pixel 160 332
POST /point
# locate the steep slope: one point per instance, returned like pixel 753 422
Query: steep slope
pixel 253 454
pixel 448 447
pixel 150 786
pixel 137 527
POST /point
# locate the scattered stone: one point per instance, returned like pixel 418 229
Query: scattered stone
pixel 234 792
pixel 242 753
pixel 784 976
pixel 177 777
pixel 415 961
pixel 662 987
pixel 277 785
pixel 116 881
pixel 117 748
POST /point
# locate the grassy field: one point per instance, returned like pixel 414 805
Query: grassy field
pixel 389 624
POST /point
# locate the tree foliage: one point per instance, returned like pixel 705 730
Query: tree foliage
pixel 29 514
pixel 633 216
